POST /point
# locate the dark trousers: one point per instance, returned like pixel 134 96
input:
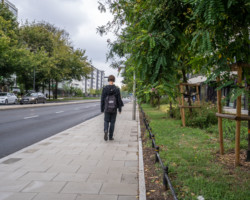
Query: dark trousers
pixel 109 123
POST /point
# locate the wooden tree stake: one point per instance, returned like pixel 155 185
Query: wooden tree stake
pixel 220 119
pixel 198 95
pixel 238 122
pixel 182 109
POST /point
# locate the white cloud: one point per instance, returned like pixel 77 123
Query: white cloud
pixel 79 18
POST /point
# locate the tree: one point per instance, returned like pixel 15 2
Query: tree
pixel 8 41
pixel 150 40
pixel 55 59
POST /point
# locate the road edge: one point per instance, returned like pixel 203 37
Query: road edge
pixel 45 105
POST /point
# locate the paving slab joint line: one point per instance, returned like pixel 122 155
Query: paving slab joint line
pixel 142 187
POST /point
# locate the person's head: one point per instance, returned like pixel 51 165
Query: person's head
pixel 111 79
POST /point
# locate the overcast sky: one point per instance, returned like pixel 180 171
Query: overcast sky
pixel 79 18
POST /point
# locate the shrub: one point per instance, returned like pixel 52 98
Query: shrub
pixel 200 117
pixel 175 112
pixel 229 128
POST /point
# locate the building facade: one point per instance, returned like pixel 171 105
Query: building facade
pixel 94 82
pixel 11 7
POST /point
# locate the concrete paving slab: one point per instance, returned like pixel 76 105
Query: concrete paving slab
pixel 44 187
pixel 12 185
pixel 119 189
pixel 55 197
pixel 64 168
pixel 129 178
pixel 109 163
pixel 104 178
pixel 131 163
pixel 82 188
pixel 35 167
pixel 16 196
pixel 12 175
pixel 96 197
pixel 127 198
pixel 71 177
pixel 38 176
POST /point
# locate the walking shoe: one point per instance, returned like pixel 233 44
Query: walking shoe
pixel 111 138
pixel 106 135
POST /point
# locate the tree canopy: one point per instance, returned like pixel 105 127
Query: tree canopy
pixel 39 51
pixel 163 40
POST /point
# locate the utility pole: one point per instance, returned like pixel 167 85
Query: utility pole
pixel 134 99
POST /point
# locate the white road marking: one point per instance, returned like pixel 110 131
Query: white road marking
pixel 59 112
pixel 31 117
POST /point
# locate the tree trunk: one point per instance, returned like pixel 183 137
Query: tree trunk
pixel 56 89
pixel 187 89
pixel 49 88
pixel 43 87
pixel 159 101
pixel 152 101
pixel 52 88
pixel 171 109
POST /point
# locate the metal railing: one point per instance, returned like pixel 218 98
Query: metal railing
pixel 166 180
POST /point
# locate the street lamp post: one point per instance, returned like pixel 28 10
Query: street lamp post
pixel 134 99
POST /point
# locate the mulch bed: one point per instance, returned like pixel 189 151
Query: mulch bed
pixel 228 160
pixel 153 173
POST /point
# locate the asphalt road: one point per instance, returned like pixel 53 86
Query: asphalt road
pixel 20 128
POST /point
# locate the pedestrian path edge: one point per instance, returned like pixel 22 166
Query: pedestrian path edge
pixel 142 187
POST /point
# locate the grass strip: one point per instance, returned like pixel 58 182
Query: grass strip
pixel 194 167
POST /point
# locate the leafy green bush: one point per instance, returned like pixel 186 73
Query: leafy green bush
pixel 229 128
pixel 202 117
pixel 78 92
pixel 175 112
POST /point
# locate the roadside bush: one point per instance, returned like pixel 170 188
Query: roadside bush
pixel 202 117
pixel 78 92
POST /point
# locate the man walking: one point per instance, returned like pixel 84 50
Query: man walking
pixel 110 102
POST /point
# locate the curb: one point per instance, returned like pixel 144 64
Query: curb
pixel 45 105
pixel 142 186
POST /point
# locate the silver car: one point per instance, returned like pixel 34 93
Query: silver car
pixel 33 97
pixel 7 98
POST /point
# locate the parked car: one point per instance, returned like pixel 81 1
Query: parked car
pixel 6 98
pixel 34 97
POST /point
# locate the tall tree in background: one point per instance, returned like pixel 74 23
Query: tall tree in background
pixel 59 61
pixel 8 41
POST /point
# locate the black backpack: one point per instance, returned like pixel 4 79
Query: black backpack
pixel 110 103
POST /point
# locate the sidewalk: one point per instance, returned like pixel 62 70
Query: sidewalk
pixel 233 110
pixel 76 164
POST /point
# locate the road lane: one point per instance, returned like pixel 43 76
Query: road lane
pixel 23 127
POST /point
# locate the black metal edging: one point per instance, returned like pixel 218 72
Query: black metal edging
pixel 166 179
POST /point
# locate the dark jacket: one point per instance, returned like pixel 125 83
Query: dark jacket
pixel 110 90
